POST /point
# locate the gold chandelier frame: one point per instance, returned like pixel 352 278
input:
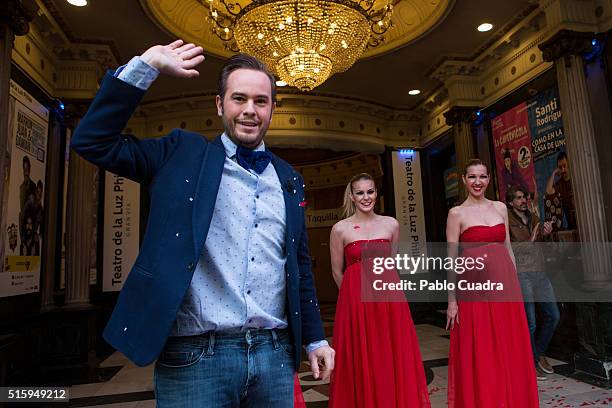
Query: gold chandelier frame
pixel 303 42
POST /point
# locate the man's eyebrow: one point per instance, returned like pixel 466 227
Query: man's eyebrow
pixel 261 96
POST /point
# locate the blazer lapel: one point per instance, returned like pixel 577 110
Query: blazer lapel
pixel 290 194
pixel 206 192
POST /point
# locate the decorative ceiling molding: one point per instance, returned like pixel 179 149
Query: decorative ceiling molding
pixel 188 19
pixel 434 124
pixel 337 173
pixel 50 11
pixel 603 12
pixel 514 59
pixel 288 98
pixel 570 15
pixel 62 65
pixel 456 67
pixel 511 59
pixel 14 14
pixel 299 121
pixel 496 39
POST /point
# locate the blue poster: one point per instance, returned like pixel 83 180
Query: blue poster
pixel 554 192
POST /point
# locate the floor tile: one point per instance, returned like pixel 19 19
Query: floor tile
pixel 132 386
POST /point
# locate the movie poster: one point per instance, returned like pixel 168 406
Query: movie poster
pixel 530 152
pixel 513 155
pixel 22 222
pixel 556 200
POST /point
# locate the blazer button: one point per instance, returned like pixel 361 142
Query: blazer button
pixel 190 266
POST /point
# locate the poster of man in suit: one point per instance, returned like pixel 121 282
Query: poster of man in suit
pixel 22 222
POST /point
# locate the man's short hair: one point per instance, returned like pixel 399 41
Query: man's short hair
pixel 561 156
pixel 26 159
pixel 511 193
pixel 243 61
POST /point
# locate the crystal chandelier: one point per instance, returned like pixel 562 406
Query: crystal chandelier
pixel 305 41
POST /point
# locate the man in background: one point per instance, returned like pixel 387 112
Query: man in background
pixel 525 232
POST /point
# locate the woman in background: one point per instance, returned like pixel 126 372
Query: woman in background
pixel 378 362
pixel 490 362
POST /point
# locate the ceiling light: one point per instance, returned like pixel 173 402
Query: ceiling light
pixel 414 92
pixel 281 83
pixel 485 27
pixel 78 3
pixel 340 30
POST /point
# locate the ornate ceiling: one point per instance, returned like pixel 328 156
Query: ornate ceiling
pixel 187 19
pixel 426 33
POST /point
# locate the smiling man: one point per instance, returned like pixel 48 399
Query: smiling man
pixel 221 293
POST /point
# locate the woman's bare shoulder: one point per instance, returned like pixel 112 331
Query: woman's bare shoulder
pixel 500 206
pixel 388 220
pixel 456 211
pixel 341 226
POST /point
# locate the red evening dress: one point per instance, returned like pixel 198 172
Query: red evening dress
pixel 378 362
pixel 490 360
pixel 298 396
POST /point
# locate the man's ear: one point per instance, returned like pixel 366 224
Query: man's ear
pixel 219 103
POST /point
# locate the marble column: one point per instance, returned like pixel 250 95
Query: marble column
pixel 461 118
pixel 52 222
pixel 593 320
pixel 565 49
pixel 79 226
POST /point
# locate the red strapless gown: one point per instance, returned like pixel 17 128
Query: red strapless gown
pixel 490 362
pixel 298 396
pixel 378 362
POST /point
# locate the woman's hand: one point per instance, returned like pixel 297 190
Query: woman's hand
pixel 452 314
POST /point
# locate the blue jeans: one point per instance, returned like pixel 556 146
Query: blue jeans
pixel 537 288
pixel 248 369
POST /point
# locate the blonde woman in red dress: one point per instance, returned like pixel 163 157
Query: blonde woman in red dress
pixel 490 361
pixel 378 362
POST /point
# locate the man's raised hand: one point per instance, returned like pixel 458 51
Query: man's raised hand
pixel 176 59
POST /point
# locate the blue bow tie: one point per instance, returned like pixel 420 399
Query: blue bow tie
pixel 252 159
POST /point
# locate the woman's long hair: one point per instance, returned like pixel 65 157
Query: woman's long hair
pixel 348 208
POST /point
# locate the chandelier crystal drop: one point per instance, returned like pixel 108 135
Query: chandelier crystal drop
pixel 303 42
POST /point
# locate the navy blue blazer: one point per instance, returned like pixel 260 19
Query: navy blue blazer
pixel 175 167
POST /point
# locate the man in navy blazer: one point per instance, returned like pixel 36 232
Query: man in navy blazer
pixel 221 293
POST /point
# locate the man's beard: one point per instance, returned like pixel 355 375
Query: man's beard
pixel 230 131
pixel 521 210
